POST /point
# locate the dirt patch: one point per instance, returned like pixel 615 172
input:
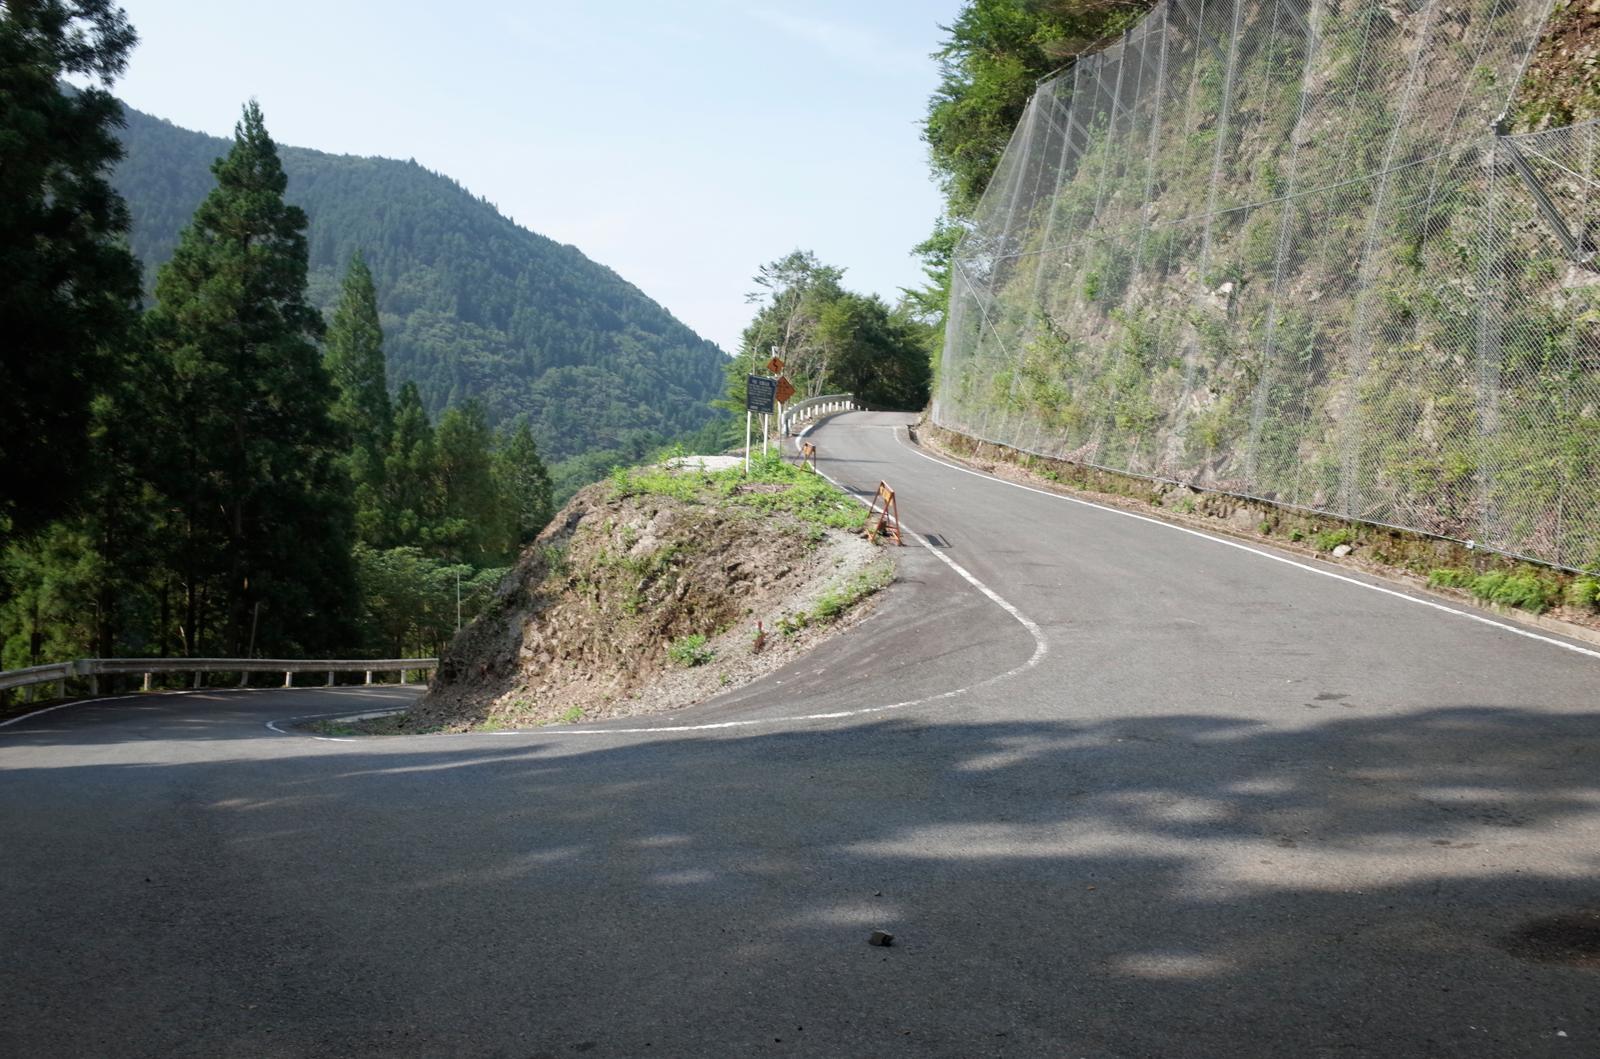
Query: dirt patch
pixel 656 593
pixel 1562 83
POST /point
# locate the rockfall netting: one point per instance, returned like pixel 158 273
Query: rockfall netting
pixel 1280 248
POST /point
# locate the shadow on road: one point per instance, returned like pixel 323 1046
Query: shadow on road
pixel 1180 884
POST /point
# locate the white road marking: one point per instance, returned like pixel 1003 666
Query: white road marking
pixel 58 706
pixel 1040 649
pixel 323 716
pixel 1587 652
pixel 180 691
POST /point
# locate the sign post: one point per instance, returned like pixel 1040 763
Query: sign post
pixel 784 392
pixel 758 394
pixel 774 367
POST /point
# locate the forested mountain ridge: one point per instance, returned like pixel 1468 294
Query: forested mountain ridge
pixel 472 304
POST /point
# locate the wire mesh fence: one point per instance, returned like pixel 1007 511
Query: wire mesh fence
pixel 1279 248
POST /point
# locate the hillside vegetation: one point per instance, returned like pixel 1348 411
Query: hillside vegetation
pixel 1277 248
pixel 472 305
pixel 221 471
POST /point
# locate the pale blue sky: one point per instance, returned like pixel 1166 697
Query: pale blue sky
pixel 681 142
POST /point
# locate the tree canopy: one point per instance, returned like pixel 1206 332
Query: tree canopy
pixel 831 340
pixel 258 482
pixel 68 286
pixel 992 58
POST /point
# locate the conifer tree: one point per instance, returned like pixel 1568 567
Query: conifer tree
pixel 410 494
pixel 68 287
pixel 468 530
pixel 523 484
pixel 355 362
pixel 354 357
pixel 256 472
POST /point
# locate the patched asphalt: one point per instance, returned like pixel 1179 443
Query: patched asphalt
pixel 1233 808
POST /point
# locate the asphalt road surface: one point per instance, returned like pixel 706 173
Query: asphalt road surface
pixel 1149 794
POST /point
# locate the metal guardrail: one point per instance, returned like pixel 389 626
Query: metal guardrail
pixel 95 668
pixel 815 408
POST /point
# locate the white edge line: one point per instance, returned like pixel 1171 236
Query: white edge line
pixel 337 716
pixel 58 706
pixel 1258 551
pixel 1040 649
pixel 184 691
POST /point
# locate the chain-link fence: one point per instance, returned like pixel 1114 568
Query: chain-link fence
pixel 1278 248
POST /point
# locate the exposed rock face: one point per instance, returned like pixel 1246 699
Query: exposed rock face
pixel 581 627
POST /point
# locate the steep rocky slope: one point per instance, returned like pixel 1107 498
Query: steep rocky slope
pixel 650 590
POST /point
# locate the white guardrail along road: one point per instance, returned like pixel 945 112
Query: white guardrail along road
pixel 95 668
pixel 815 408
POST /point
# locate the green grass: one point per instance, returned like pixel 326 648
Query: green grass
pixel 1511 588
pixel 385 724
pixel 690 650
pixel 838 599
pixel 1584 592
pixel 807 496
pixel 572 716
pixel 1328 540
pixel 1451 577
pixel 1514 590
pixel 333 728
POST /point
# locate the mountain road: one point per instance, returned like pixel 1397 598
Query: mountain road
pixel 1117 788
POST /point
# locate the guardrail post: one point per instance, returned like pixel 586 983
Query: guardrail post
pixel 61 688
pixel 369 676
pixel 148 680
pixel 94 683
pixel 244 678
pixel 27 693
pixel 198 677
pixel 403 679
pixel 330 678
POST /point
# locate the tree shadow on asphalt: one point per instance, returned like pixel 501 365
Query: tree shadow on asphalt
pixel 1186 883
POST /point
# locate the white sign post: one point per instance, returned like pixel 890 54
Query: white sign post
pixel 758 391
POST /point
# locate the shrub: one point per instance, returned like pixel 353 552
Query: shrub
pixel 1514 589
pixel 1584 592
pixel 1510 588
pixel 690 650
pixel 1328 540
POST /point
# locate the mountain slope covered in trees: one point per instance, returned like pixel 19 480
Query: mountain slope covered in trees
pixel 472 305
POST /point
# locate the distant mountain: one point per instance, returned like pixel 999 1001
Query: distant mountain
pixel 472 304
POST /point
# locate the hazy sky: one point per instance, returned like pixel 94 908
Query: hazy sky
pixel 681 142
